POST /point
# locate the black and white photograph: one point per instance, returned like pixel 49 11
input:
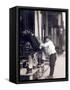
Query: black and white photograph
pixel 42 44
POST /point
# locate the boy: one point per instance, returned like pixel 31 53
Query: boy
pixel 49 49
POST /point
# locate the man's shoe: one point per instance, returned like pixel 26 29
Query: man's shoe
pixel 29 71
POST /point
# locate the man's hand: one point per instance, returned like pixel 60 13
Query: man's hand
pixel 41 45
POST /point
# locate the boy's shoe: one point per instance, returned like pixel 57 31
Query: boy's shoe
pixel 49 77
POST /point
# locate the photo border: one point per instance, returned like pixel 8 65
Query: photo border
pixel 17 47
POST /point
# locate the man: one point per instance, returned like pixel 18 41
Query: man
pixel 49 49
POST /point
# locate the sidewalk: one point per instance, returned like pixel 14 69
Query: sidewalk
pixel 59 71
pixel 60 66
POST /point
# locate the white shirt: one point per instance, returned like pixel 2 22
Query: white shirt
pixel 49 47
